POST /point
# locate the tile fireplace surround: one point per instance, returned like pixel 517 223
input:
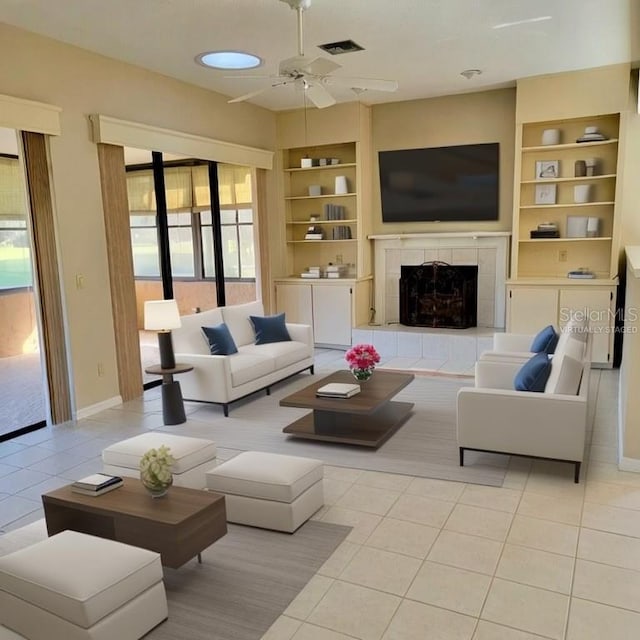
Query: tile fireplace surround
pixel 487 249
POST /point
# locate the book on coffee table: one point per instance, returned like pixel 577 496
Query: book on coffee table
pixel 338 390
pixel 98 492
pixel 96 484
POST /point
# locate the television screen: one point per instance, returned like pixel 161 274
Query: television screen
pixel 440 184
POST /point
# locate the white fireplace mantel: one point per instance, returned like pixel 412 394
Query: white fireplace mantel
pixel 487 249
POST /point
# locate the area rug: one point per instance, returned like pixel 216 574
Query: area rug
pixel 245 582
pixel 424 446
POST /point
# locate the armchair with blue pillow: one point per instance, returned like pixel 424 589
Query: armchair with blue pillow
pixel 533 405
pixel 520 347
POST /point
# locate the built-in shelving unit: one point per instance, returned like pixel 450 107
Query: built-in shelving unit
pixel 301 206
pixel 547 180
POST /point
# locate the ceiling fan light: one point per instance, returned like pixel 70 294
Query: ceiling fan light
pixel 227 60
pixel 470 73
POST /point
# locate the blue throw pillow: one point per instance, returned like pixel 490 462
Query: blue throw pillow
pixel 545 341
pixel 534 374
pixel 270 329
pixel 220 340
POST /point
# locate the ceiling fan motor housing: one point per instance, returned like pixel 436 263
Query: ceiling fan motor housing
pixel 298 4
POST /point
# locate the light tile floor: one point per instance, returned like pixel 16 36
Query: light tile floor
pixel 537 558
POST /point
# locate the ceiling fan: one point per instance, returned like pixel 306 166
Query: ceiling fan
pixel 312 75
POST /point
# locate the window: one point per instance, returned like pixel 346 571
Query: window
pixel 15 254
pixel 189 222
pixel 15 247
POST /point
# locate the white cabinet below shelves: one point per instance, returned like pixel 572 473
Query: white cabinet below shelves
pixel 294 300
pixel 328 308
pixel 532 307
pixel 529 309
pixel 331 314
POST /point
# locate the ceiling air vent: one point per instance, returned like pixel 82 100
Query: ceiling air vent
pixel 344 46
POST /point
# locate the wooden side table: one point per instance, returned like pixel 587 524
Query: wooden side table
pixel 172 403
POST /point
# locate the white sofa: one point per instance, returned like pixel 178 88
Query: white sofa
pixel 494 417
pixel 224 379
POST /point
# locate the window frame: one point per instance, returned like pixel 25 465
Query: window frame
pixel 198 230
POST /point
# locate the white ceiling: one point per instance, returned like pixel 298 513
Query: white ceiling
pixel 423 44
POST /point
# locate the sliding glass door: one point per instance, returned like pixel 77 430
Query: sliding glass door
pixel 22 382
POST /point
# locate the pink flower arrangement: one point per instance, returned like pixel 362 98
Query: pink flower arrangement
pixel 362 357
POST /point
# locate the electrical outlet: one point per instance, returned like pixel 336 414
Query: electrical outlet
pixel 339 259
pixel 100 368
pixel 562 255
pixel 79 281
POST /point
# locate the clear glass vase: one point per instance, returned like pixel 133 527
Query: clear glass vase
pixel 362 375
pixel 155 488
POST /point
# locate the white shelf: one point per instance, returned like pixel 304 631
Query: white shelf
pixel 599 238
pixel 328 195
pixel 571 145
pixel 323 168
pixel 309 223
pixel 318 241
pixel 562 206
pixel 576 179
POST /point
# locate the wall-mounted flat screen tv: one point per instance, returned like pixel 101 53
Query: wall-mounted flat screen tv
pixel 440 184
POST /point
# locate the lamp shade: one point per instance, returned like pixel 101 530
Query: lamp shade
pixel 161 315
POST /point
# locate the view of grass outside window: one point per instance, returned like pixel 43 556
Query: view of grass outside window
pixel 15 254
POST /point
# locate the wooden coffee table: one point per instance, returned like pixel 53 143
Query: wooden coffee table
pixel 178 526
pixel 368 418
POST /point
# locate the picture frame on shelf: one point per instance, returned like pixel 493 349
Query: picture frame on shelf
pixel 546 169
pixel 545 194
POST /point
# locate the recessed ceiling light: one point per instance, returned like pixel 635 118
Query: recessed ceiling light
pixel 504 25
pixel 229 60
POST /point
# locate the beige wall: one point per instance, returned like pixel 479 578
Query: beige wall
pixel 82 83
pixel 469 118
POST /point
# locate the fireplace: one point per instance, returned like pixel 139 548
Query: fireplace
pixel 437 294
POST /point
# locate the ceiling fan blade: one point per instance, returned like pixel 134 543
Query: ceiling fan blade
pixel 374 84
pixel 320 66
pixel 257 92
pixel 320 97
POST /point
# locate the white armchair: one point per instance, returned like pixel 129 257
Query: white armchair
pixel 493 417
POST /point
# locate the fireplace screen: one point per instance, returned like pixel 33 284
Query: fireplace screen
pixel 437 294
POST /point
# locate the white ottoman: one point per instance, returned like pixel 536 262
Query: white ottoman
pixel 73 586
pixel 193 457
pixel 269 490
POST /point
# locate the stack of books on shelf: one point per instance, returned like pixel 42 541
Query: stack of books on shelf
pixel 341 232
pixel 545 230
pixel 96 484
pixel 333 212
pixel 311 272
pixel 338 390
pixel 336 271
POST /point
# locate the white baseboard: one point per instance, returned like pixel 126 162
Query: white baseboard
pixel 92 409
pixel 629 464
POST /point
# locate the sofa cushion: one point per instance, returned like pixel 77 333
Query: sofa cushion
pixel 236 317
pixel 220 340
pixel 188 337
pixel 545 341
pixel 270 329
pixel 246 367
pixel 566 373
pixel 282 353
pixel 533 374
